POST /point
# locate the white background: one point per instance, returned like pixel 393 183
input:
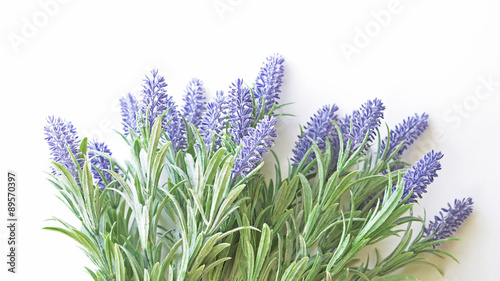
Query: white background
pixel 80 57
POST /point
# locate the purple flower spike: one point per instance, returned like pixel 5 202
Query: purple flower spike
pixel 269 82
pixel 259 141
pixel 213 121
pixel 241 104
pixel 61 137
pixel 130 113
pixel 365 120
pixel 407 133
pixel 100 162
pixel 421 175
pixel 176 129
pixel 317 130
pixel 448 222
pixel 194 102
pixel 155 98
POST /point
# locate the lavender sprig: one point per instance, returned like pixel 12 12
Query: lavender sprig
pixel 259 141
pixel 407 132
pixel 130 113
pixel 214 121
pixel 176 129
pixel 421 175
pixel 194 105
pixel 269 82
pixel 100 162
pixel 317 130
pixel 156 102
pixel 63 141
pixel 365 120
pixel 448 222
pixel 241 105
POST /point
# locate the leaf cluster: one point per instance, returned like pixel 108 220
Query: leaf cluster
pixel 183 215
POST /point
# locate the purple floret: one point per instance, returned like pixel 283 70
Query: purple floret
pixel 421 175
pixel 269 81
pixel 365 120
pixel 156 102
pixel 405 133
pixel 213 121
pixel 449 220
pixel 63 141
pixel 194 102
pixel 317 130
pixel 130 113
pixel 259 141
pixel 100 162
pixel 241 108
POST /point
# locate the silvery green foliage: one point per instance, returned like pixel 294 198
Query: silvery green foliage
pixel 190 202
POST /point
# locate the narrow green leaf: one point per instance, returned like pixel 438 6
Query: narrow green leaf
pixel 397 277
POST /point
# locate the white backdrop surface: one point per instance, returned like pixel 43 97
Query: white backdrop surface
pixel 75 59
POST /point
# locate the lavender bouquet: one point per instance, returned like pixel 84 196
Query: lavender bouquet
pixel 191 203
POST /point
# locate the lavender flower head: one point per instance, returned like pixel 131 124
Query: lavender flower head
pixel 194 102
pixel 257 142
pixel 407 133
pixel 176 129
pixel 213 121
pixel 317 130
pixel 241 108
pixel 269 82
pixel 100 162
pixel 365 120
pixel 130 113
pixel 421 175
pixel 62 138
pixel 448 222
pixel 156 102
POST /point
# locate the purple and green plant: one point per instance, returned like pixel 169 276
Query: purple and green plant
pixel 193 201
